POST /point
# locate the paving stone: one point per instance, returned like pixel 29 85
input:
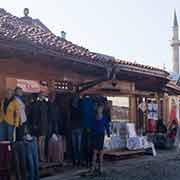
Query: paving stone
pixel 163 167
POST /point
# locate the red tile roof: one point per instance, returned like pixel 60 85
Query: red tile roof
pixel 16 29
pixel 124 62
pixel 172 85
pixel 13 28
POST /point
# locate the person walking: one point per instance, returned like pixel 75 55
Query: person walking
pixel 100 125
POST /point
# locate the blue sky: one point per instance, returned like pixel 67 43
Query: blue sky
pixel 135 30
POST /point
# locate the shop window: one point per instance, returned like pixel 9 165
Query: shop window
pixel 119 108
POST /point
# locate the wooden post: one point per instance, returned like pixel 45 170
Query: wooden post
pixel 165 109
pixel 132 108
pixel 140 117
pixel 159 105
pixel 2 86
pixel 146 116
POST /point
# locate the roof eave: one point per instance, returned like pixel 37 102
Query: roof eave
pixel 140 70
pixel 37 49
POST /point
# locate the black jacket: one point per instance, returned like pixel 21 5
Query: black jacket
pixel 38 118
pixel 76 118
pixel 56 123
pixel 76 113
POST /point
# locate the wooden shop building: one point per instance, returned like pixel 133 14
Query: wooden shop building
pixel 32 57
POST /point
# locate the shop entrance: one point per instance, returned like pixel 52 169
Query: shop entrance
pixel 64 91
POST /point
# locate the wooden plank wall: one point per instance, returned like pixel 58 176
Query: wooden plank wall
pixel 34 70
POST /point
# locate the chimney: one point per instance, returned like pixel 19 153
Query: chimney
pixel 63 34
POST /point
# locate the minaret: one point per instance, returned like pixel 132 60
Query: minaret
pixel 175 45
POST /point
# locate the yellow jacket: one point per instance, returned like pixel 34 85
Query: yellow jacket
pixel 12 116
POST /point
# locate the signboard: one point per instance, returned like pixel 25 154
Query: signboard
pixel 29 86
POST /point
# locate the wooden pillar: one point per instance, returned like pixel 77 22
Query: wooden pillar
pixel 2 86
pixel 146 116
pixel 132 108
pixel 140 116
pixel 158 97
pixel 165 108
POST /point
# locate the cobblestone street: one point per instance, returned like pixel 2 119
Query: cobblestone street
pixel 163 167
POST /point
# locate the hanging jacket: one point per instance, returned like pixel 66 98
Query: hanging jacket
pixel 21 110
pixel 173 113
pixel 55 119
pixel 87 106
pixel 76 114
pixel 10 114
pixel 38 118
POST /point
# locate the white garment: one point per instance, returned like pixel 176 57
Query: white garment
pixel 155 116
pixel 155 107
pixel 142 106
pixel 115 142
pixel 135 142
pixel 131 130
pixel 23 117
pixel 54 136
pixel 107 143
pixel 150 107
pixel 153 111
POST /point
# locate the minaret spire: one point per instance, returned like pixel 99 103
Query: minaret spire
pixel 175 23
pixel 175 43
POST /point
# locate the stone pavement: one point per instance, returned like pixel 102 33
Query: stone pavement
pixel 166 166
